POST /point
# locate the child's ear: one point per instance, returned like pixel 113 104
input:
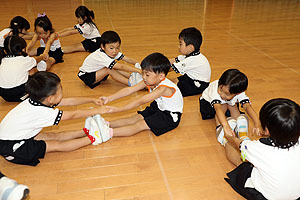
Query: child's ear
pixel 49 100
pixel 101 45
pixel 191 48
pixel 162 76
pixel 266 132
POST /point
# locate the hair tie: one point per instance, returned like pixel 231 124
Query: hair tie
pixel 15 23
pixel 41 15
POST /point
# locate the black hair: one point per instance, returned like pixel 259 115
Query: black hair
pixel 84 12
pixel 235 80
pixel 45 23
pixel 156 62
pixel 41 85
pixel 282 119
pixel 109 37
pixel 17 24
pixel 191 36
pixel 13 46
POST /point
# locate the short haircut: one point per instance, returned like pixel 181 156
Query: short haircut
pixel 235 80
pixel 109 37
pixel 42 85
pixel 45 23
pixel 156 62
pixel 282 118
pixel 191 36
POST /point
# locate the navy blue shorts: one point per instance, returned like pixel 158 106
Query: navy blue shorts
pixel 91 45
pixel 89 78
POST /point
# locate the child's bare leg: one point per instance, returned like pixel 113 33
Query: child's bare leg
pixel 234 111
pixel 125 74
pixel 113 73
pixel 125 121
pixel 32 52
pixel 232 154
pixel 67 145
pixel 73 48
pixel 61 136
pixel 130 130
pixel 50 62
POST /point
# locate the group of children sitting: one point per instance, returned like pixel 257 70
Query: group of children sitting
pixel 273 161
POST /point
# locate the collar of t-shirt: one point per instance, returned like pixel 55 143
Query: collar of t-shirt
pixel 38 103
pixel 271 142
pixel 194 53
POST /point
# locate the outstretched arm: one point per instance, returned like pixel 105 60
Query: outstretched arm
pixel 129 60
pixel 252 114
pixel 67 32
pixel 73 101
pixel 222 119
pixel 75 114
pixel 49 42
pixel 32 42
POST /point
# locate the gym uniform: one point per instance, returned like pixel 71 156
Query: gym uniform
pixel 164 113
pixel 210 96
pixel 196 73
pixel 91 34
pixel 271 173
pixel 93 63
pixel 20 126
pixel 3 34
pixel 14 73
pixel 54 51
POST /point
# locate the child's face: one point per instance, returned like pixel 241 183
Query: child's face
pixel 185 49
pixel 57 97
pixel 223 91
pixel 22 32
pixel 80 20
pixel 151 78
pixel 111 49
pixel 41 33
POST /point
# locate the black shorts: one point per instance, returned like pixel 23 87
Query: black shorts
pixel 159 121
pixel 237 179
pixel 91 45
pixel 28 153
pixel 89 78
pixel 16 94
pixel 57 54
pixel 188 86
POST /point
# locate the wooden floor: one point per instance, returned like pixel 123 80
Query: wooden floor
pixel 261 38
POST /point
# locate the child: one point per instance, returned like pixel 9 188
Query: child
pixel 163 114
pixel 192 64
pixel 14 69
pixel 225 94
pixel 50 45
pixel 19 27
pixel 87 28
pixel 20 139
pixel 103 62
pixel 272 170
pixel 11 190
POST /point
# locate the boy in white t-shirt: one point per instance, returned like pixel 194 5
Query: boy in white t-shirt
pixel 20 139
pixel 192 64
pixel 104 62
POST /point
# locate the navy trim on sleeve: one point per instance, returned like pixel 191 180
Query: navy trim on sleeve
pixel 175 69
pixel 58 117
pixel 244 101
pixel 78 29
pixel 121 57
pixel 112 64
pixel 177 60
pixel 216 101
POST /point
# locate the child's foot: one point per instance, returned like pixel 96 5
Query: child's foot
pixel 41 66
pixel 11 190
pixel 242 127
pixel 138 66
pixel 94 133
pixel 104 127
pixel 87 125
pixel 220 131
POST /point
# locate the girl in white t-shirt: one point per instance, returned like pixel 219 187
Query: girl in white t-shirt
pixel 50 44
pixel 272 170
pixel 14 69
pixel 87 28
pixel 104 62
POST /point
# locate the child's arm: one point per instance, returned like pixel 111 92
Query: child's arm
pixel 129 60
pixel 172 60
pixel 127 68
pixel 222 119
pixel 160 91
pixel 124 92
pixel 233 140
pixel 28 36
pixel 252 114
pixel 67 32
pixel 49 42
pixel 40 57
pixel 75 114
pixel 32 42
pixel 73 101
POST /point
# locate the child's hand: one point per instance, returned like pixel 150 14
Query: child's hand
pixel 103 110
pixel 257 129
pixel 228 131
pixel 45 56
pixel 112 109
pixel 98 101
pixel 105 100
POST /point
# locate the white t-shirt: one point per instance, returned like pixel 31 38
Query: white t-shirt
pixel 211 95
pixel 276 171
pixel 55 44
pixel 27 119
pixel 14 70
pixel 98 60
pixel 173 103
pixel 88 31
pixel 3 34
pixel 196 66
